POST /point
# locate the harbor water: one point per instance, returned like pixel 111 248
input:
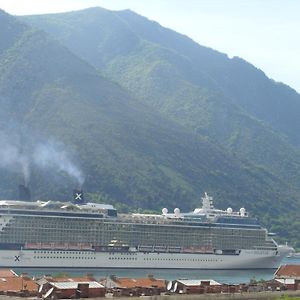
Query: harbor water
pixel 223 276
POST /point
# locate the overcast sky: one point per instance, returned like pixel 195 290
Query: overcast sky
pixel 264 32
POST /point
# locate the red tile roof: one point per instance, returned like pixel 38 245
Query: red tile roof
pixel 17 284
pixel 147 282
pixel 5 273
pixel 288 271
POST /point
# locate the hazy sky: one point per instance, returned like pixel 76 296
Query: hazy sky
pixel 264 32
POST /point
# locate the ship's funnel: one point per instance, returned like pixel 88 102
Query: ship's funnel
pixel 78 197
pixel 24 193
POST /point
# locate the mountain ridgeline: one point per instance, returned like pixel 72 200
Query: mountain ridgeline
pixel 150 118
pixel 128 152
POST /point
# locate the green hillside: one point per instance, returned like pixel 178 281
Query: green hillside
pixel 275 103
pixel 159 145
pixel 107 37
pixel 129 153
pixel 227 100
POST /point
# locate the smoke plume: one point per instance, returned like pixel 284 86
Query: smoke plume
pixel 51 155
pixel 13 158
pixel 47 155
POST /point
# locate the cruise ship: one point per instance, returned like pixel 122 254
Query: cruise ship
pixel 51 234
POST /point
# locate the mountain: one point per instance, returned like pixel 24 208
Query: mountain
pixel 228 102
pixel 107 37
pixel 129 153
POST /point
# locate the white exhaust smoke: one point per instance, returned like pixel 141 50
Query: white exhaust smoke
pixel 49 155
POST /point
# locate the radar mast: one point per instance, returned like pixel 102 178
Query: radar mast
pixel 207 202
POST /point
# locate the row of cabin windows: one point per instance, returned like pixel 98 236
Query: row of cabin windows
pixel 78 224
pixel 57 222
pixel 63 252
pixel 185 259
pixel 132 236
pixel 65 257
pixel 220 244
pixel 124 253
pixel 137 229
pixel 144 236
pixel 167 259
pixel 130 258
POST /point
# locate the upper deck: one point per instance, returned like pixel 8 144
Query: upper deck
pixel 57 209
pixel 207 215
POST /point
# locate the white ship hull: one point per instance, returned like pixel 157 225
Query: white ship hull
pixel 247 259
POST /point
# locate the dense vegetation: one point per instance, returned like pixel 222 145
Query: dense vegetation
pixel 128 152
pixel 192 121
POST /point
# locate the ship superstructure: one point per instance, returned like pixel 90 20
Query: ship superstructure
pixel 56 234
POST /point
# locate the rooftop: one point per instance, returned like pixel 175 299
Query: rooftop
pixel 148 282
pixel 17 284
pixel 197 282
pixel 74 284
pixel 72 279
pixel 5 273
pixel 288 271
pixel 51 279
pixel 286 281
